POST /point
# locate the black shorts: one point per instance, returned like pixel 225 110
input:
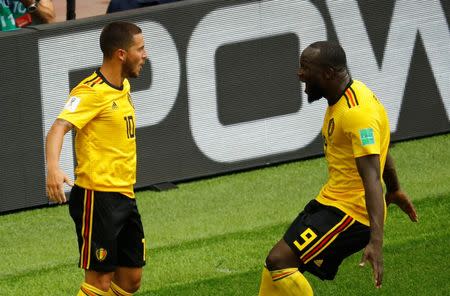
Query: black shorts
pixel 109 230
pixel 322 236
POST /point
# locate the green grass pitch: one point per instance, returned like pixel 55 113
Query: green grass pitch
pixel 210 237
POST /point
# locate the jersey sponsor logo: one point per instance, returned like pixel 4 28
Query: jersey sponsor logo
pixel 101 254
pixel 72 104
pixel 366 136
pixel 114 106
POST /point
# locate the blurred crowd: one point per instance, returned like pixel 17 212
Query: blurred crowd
pixel 16 14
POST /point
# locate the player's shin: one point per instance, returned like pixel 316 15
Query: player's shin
pixel 87 290
pixel 266 287
pixel 291 282
pixel 286 282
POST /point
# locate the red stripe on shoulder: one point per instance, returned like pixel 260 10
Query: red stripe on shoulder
pixel 350 96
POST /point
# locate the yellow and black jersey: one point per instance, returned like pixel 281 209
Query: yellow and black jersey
pixel 105 143
pixel 357 125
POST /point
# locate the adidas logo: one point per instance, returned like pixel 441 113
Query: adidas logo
pixel 318 262
pixel 114 106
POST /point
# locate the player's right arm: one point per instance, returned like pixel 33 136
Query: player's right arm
pixel 369 170
pixel 55 176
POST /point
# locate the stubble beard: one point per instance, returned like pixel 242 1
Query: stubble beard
pixel 315 94
pixel 313 98
pixel 128 71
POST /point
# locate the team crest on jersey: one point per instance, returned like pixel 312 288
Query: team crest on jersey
pixel 130 100
pixel 330 127
pixel 101 254
pixel 72 104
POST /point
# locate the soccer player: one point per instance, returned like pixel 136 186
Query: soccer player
pixel 349 212
pixel 102 202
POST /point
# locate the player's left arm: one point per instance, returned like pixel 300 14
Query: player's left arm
pixel 369 170
pixel 394 193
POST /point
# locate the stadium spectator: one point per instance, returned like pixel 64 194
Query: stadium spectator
pixel 349 212
pixel 120 5
pixel 25 13
pixel 102 202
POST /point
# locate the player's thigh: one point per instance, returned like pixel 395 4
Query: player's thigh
pixel 325 263
pixel 76 207
pixel 99 217
pixel 131 240
pixel 281 256
pixel 316 237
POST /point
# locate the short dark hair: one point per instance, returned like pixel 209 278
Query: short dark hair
pixel 331 54
pixel 117 35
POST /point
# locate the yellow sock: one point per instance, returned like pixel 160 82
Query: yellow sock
pixel 89 290
pixel 266 287
pixel 291 282
pixel 115 290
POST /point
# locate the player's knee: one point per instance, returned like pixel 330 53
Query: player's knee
pixel 131 286
pixel 274 261
pixel 127 279
pixel 281 257
pixel 135 284
pixel 100 280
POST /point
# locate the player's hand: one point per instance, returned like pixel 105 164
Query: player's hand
pixel 374 254
pixel 55 185
pixel 403 202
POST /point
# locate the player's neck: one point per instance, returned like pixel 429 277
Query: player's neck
pixel 339 89
pixel 112 73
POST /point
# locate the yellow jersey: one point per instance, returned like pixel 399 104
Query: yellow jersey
pixel 355 126
pixel 105 141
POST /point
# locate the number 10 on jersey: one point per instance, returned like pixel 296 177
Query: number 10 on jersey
pixel 130 126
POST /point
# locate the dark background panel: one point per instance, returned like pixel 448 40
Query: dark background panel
pixel 256 79
pixel 22 179
pixel 422 108
pixel 377 16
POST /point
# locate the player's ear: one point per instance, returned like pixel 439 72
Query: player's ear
pixel 121 54
pixel 329 73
